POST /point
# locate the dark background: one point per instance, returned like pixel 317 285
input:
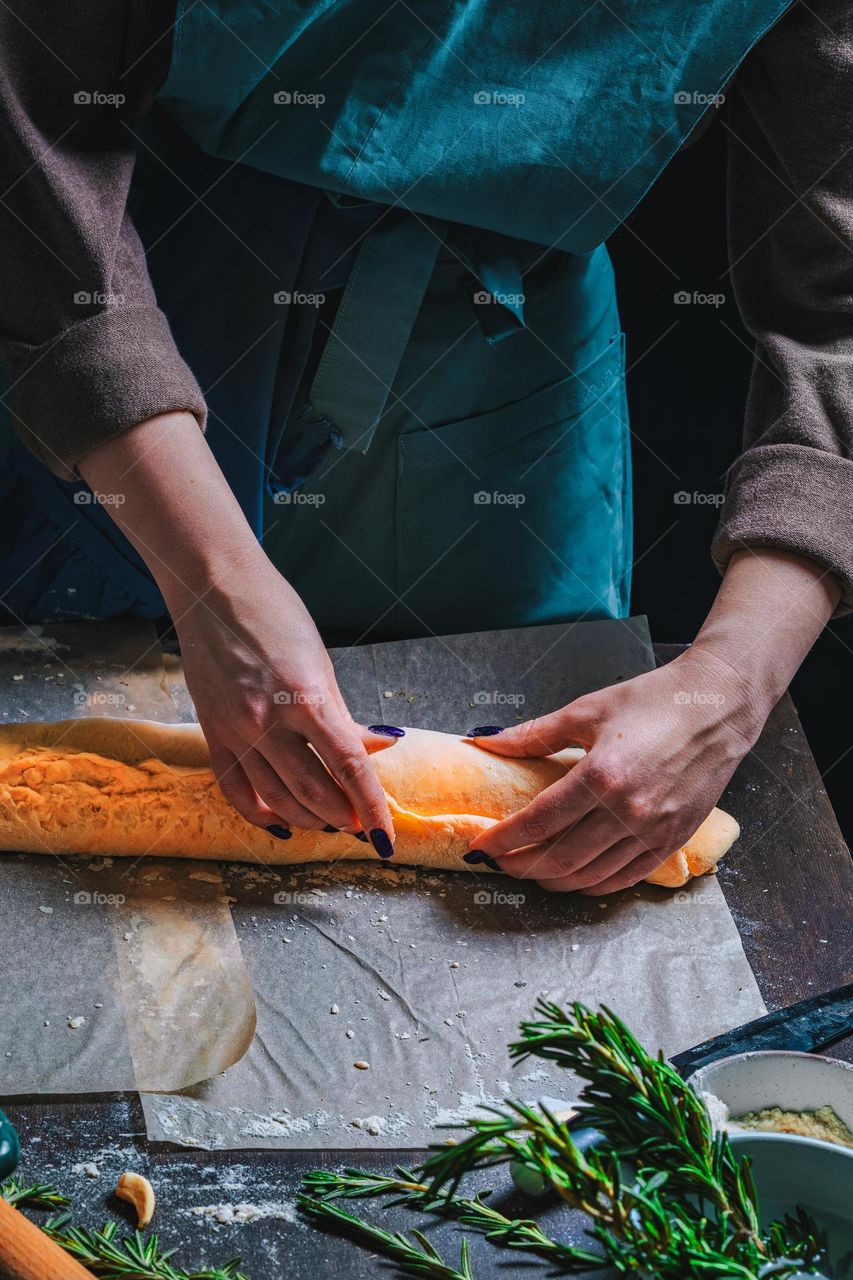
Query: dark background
pixel 688 375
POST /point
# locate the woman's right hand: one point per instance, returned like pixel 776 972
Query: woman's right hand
pixel 261 680
pixel 265 692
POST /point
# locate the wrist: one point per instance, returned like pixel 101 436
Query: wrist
pixel 215 578
pixel 770 609
pixel 740 696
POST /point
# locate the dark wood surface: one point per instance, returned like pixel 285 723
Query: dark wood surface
pixel 789 883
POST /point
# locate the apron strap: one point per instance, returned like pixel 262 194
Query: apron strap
pixel 372 327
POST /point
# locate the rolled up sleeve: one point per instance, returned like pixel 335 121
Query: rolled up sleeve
pixel 791 255
pixel 87 350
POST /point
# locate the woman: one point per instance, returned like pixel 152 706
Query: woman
pixel 377 236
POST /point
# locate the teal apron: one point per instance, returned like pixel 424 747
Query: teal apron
pixel 442 443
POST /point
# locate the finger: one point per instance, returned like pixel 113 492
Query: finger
pixel 643 865
pixel 237 789
pixel 302 774
pixel 571 725
pixel 551 813
pixel 376 737
pixel 340 746
pixel 600 869
pixel 379 737
pixel 276 795
pixel 571 851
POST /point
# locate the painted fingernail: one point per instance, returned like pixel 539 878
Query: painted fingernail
pixel 477 858
pixel 484 731
pixel 280 833
pixel 331 830
pixel 387 730
pixel 359 835
pixel 381 843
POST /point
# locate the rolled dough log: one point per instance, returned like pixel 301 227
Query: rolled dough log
pixel 131 788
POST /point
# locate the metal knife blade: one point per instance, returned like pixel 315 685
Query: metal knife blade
pixel 806 1026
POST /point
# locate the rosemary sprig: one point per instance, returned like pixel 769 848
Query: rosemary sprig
pixel 38 1195
pixel 130 1258
pixel 421 1259
pixel 665 1194
pixel 353 1184
pixel 644 1109
pixel 403 1188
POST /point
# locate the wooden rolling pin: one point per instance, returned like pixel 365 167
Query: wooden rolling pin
pixel 26 1253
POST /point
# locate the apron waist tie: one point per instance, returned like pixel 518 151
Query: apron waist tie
pixel 372 328
pixel 380 304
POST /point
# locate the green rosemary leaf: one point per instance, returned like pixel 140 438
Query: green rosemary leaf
pixel 37 1195
pixel 420 1259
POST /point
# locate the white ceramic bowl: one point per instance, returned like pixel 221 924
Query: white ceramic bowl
pixel 775 1078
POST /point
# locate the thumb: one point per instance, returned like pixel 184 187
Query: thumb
pixel 573 725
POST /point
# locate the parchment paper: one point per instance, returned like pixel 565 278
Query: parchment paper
pixel 119 974
pixel 431 973
pixel 381 946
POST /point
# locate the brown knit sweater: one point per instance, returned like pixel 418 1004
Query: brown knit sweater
pixel 90 354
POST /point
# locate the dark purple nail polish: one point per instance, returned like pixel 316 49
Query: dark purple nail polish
pixel 484 731
pixel 477 858
pixel 280 833
pixel 330 830
pixel 359 835
pixel 381 843
pixel 387 730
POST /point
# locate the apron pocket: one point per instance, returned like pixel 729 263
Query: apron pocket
pixel 520 515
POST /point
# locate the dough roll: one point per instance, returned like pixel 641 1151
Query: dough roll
pixel 135 788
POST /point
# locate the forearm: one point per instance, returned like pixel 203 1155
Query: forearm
pixel 165 490
pixel 769 611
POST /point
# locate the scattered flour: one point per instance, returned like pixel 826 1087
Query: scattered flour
pixel 230 1213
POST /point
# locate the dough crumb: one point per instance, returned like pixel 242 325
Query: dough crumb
pixel 76 1023
pixel 334 1009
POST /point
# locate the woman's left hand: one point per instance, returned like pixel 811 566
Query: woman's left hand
pixel 660 750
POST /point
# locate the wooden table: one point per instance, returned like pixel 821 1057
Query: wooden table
pixel 789 883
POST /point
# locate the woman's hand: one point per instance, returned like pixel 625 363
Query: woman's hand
pixel 266 694
pixel 257 670
pixel 661 747
pixel 660 750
